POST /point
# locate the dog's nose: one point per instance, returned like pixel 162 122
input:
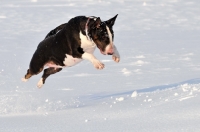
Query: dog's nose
pixel 109 49
pixel 110 52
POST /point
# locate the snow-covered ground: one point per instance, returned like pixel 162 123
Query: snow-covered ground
pixel 155 87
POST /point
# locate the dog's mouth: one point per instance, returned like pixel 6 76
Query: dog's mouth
pixel 110 54
pixel 106 53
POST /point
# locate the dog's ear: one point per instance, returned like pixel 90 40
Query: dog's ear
pixel 111 21
pixel 97 23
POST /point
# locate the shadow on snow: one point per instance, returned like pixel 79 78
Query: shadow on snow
pixel 145 90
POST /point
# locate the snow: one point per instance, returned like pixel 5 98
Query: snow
pixel 134 94
pixel 120 99
pixel 155 86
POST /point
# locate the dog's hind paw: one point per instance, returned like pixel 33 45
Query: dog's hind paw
pixel 40 83
pixel 24 79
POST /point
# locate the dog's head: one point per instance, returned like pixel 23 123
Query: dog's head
pixel 102 34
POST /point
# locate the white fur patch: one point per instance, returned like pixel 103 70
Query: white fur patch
pixel 109 35
pixel 70 61
pixel 40 83
pixel 87 44
pixel 24 79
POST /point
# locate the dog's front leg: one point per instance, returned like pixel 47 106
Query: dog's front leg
pixel 115 56
pixel 97 64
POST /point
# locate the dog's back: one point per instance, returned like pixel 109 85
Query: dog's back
pixel 56 30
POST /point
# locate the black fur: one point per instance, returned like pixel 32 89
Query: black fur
pixel 54 31
pixel 61 41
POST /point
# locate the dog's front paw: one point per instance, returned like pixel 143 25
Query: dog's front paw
pixel 97 64
pixel 116 58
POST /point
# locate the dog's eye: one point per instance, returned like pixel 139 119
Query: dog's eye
pixel 103 37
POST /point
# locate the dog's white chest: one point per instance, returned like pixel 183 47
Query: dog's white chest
pixel 87 45
pixel 70 61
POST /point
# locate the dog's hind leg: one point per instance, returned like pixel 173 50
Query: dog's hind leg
pixel 47 72
pixel 27 76
pixel 30 74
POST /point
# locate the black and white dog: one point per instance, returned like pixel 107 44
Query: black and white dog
pixel 70 43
